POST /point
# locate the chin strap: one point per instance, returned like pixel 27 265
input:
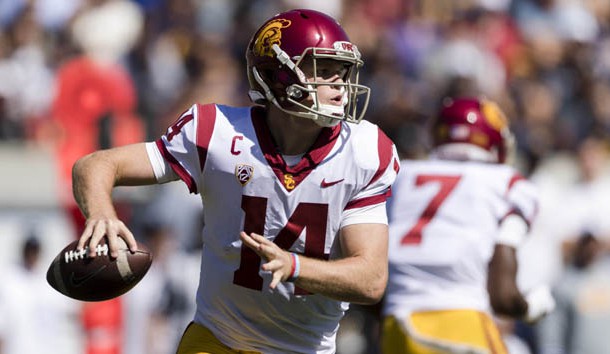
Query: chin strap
pixel 254 95
pixel 323 121
pixel 330 110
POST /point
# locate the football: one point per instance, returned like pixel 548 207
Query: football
pixel 78 276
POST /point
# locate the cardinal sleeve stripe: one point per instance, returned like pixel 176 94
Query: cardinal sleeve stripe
pixel 517 212
pixel 372 200
pixel 384 148
pixel 177 167
pixel 514 179
pixel 206 119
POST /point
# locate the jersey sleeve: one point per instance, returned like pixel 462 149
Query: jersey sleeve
pixel 513 230
pixel 185 143
pixel 368 204
pixel 522 197
pixel 161 168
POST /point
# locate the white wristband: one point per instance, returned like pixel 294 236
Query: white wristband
pixel 540 302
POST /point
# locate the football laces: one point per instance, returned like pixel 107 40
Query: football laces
pixel 73 255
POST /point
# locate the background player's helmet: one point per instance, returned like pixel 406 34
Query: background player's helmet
pixel 277 52
pixel 472 129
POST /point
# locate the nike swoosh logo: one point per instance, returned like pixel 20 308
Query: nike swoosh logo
pixel 79 281
pixel 325 184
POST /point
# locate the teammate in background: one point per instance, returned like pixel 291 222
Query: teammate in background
pixel 455 223
pixel 294 192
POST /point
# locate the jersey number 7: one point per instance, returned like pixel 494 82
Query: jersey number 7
pixel 414 236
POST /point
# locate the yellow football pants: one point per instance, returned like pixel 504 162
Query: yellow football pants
pixel 199 340
pixel 442 332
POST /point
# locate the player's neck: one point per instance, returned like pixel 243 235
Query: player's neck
pixel 293 135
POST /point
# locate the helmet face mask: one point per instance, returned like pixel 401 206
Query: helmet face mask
pixel 287 56
pixel 472 129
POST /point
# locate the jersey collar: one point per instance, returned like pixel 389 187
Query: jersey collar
pixel 291 176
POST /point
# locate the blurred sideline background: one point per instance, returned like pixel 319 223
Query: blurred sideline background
pixel 79 75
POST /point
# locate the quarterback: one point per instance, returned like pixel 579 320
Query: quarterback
pixel 294 190
pixel 456 221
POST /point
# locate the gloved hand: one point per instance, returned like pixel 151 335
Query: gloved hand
pixel 540 302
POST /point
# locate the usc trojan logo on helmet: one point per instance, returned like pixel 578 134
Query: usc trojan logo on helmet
pixel 494 116
pixel 270 34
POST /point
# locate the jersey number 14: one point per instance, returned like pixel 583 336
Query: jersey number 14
pixel 312 216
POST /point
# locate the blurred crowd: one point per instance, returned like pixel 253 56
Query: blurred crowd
pixel 79 75
pixel 546 61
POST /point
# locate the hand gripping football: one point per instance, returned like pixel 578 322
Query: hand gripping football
pixel 76 275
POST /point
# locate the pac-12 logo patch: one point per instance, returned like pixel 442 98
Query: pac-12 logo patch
pixel 244 173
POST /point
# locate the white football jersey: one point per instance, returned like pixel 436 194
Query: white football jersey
pixel 228 156
pixel 444 221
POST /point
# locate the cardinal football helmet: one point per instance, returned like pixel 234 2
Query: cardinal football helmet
pixel 278 52
pixel 472 129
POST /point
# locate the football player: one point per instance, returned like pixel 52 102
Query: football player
pixel 456 221
pixel 294 191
